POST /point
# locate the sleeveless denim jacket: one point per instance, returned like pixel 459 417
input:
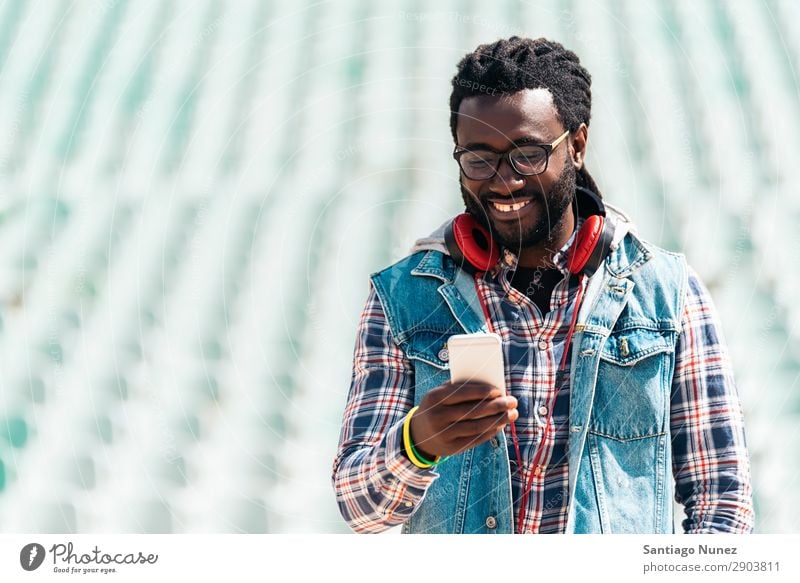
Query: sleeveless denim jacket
pixel 623 356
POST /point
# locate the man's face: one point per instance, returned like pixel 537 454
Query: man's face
pixel 497 123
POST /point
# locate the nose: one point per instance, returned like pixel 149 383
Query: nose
pixel 506 181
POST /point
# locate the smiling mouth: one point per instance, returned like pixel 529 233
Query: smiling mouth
pixel 507 208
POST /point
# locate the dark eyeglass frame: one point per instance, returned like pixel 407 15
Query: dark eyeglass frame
pixel 548 149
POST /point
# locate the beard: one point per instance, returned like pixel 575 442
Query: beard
pixel 517 235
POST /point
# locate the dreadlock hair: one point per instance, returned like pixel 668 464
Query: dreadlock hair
pixel 511 65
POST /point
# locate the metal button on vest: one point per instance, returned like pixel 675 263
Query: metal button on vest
pixel 542 410
pixel 491 522
pixel 494 442
pixel 543 344
pixel 444 354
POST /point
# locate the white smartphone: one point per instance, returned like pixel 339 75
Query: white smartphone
pixel 477 357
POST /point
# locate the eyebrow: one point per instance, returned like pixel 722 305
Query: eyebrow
pixel 515 143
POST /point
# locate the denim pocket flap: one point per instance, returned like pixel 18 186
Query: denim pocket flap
pixel 429 347
pixel 627 347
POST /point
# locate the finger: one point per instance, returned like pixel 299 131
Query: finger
pixel 478 409
pixel 476 427
pixel 454 393
pixel 465 443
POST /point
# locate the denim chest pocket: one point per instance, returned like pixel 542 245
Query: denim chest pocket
pixel 634 379
pixel 427 350
pixel 429 346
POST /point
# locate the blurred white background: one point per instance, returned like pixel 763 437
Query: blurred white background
pixel 193 193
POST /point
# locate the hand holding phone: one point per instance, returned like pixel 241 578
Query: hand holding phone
pixel 471 408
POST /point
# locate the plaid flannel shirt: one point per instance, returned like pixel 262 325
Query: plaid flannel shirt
pixel 378 487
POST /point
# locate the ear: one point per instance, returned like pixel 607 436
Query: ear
pixel 577 145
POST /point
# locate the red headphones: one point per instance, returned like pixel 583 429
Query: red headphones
pixel 472 248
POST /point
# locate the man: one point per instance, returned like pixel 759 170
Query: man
pixel 644 411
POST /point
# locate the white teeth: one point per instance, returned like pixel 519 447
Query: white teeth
pixel 507 208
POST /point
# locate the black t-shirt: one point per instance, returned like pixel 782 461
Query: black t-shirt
pixel 536 283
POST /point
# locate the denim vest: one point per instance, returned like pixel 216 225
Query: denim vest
pixel 623 356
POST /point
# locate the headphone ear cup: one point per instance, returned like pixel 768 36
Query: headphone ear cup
pixel 591 246
pixel 470 244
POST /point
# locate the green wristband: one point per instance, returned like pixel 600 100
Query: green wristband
pixel 422 459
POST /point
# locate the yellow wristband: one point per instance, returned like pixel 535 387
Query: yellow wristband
pixel 409 445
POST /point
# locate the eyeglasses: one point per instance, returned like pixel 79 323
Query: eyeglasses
pixel 528 159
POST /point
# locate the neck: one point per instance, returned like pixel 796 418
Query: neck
pixel 541 255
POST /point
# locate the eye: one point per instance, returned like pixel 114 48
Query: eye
pixel 478 159
pixel 529 157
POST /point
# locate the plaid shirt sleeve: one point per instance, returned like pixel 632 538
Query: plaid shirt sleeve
pixel 709 452
pixel 377 487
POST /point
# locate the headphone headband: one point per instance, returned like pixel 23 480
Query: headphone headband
pixel 588 203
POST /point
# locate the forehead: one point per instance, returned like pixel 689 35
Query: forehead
pixel 499 120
